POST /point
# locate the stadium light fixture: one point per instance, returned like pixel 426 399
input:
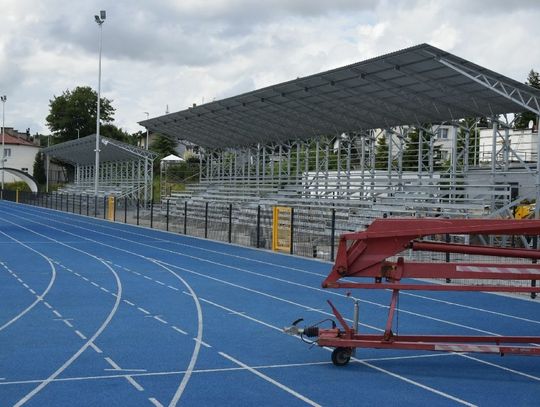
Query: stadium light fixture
pixel 3 98
pixel 99 20
pixel 147 115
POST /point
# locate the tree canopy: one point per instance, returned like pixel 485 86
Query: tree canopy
pixel 522 120
pixel 75 112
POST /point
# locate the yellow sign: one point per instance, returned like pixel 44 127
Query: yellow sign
pixel 281 228
pixel 112 208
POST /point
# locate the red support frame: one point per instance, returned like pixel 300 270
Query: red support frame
pixel 367 255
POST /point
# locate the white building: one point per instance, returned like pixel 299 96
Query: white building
pixel 20 154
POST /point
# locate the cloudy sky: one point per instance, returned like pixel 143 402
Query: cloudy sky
pixel 159 53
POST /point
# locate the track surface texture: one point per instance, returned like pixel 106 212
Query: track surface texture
pixel 95 313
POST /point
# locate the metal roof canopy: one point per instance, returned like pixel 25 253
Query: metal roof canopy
pixel 82 151
pixel 421 84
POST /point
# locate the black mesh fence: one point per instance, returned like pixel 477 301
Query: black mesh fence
pixel 314 232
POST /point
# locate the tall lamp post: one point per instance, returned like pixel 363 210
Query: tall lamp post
pixel 3 98
pixel 147 115
pixel 99 20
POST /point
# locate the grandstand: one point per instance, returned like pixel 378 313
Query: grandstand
pixel 365 137
pixel 340 147
pixel 124 171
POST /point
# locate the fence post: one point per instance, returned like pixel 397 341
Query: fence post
pixel 95 206
pixel 151 214
pixel 105 207
pixel 167 217
pixel 125 208
pixel 333 235
pixel 534 261
pixel 230 222
pixel 206 220
pixel 447 255
pixel 257 243
pixel 137 211
pixel 185 217
pixel 292 230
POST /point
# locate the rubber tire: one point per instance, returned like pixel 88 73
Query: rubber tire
pixel 341 356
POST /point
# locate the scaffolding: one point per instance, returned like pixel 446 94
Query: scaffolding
pixel 124 170
pixel 370 136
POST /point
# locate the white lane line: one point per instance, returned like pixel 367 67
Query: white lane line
pixel 32 291
pixel 224 265
pixel 81 335
pixel 134 383
pixel 203 343
pixel 270 380
pixel 25 285
pixel 102 327
pixel 104 289
pixel 148 278
pixel 129 303
pixel 500 367
pixel 84 278
pixel 160 320
pixel 155 402
pixel 173 288
pixel 159 282
pixel 195 354
pixel 47 304
pixel 94 284
pixel 67 323
pixel 112 363
pixel 403 378
pixel 55 312
pixel 179 330
pixel 95 347
pixel 143 310
pixel 127 377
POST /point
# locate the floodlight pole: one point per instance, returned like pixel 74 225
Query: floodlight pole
pixel 3 98
pixel 147 115
pixel 99 20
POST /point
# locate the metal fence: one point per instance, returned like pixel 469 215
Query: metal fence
pixel 314 232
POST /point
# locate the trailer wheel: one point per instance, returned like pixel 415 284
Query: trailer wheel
pixel 341 356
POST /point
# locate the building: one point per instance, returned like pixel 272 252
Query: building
pixel 19 153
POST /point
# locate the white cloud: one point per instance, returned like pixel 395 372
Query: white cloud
pixel 174 53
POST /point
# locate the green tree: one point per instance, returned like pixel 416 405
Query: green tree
pixel 113 132
pixel 522 119
pixel 39 169
pixel 75 112
pixel 163 145
pixel 381 153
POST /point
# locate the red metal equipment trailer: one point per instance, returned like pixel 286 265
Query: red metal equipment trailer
pixel 368 255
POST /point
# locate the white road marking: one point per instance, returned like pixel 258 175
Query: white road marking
pixel 203 343
pixel 143 310
pixel 172 288
pixel 81 335
pixel 270 380
pixel 178 330
pixel 95 347
pixel 55 312
pixel 159 282
pixel 155 402
pixel 160 320
pixel 129 303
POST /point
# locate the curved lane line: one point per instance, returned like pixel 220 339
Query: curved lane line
pixel 90 341
pixel 198 342
pixel 40 296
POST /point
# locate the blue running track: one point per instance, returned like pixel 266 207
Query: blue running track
pixel 95 313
